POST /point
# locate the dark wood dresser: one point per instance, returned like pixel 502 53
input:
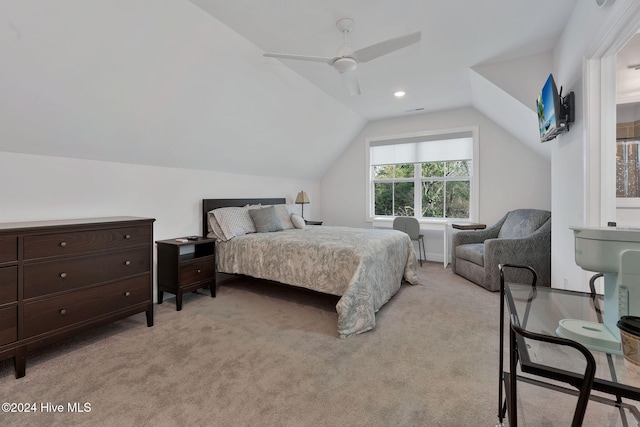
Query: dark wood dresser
pixel 61 277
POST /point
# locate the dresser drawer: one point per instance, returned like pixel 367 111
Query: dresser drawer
pixel 47 277
pixel 8 249
pixel 47 245
pixel 65 310
pixel 8 284
pixel 8 325
pixel 197 270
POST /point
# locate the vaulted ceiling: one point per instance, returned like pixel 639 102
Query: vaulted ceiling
pixel 185 84
pixel 456 36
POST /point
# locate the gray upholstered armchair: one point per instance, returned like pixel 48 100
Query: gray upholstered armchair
pixel 522 237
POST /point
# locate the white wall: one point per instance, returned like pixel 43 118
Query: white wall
pixel 511 175
pixel 40 187
pixel 575 165
pixel 158 82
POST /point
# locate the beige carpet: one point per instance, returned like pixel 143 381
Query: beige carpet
pixel 265 355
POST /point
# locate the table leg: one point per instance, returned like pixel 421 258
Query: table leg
pixel 445 238
pixel 512 409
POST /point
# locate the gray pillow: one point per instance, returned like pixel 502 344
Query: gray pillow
pixel 265 219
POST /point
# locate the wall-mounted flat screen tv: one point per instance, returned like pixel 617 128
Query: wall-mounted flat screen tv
pixel 554 112
pixel 547 105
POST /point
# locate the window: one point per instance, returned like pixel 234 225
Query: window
pixel 394 189
pixel 424 175
pixel 446 189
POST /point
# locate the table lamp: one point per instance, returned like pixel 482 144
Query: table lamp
pixel 302 199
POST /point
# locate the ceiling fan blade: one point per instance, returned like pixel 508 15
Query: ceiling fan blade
pixel 376 50
pixel 350 79
pixel 300 57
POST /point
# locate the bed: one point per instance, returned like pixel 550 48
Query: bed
pixel 364 267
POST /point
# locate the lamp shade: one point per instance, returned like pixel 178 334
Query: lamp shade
pixel 302 198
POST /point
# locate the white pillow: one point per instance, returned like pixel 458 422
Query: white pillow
pixel 234 221
pixel 214 227
pixel 298 221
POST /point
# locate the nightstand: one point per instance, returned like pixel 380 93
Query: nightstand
pixel 186 265
pixel 312 222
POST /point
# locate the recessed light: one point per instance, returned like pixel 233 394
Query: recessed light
pixel 399 94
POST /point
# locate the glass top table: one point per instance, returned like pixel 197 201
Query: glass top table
pixel 539 310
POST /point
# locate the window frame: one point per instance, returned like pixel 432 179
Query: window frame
pixel 474 179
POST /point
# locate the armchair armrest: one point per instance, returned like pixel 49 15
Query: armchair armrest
pixel 473 236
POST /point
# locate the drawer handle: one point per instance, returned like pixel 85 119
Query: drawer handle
pixel 126 294
pixel 199 271
pixel 63 244
pixel 127 262
pixel 127 236
pixel 63 275
pixel 63 312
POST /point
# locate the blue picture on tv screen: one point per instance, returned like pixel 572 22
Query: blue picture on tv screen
pixel 546 109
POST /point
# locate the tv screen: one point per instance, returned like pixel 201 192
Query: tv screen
pixel 548 109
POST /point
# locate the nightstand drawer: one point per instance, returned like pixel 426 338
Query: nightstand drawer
pixel 49 245
pixel 8 284
pixel 64 310
pixel 8 325
pixel 41 278
pixel 197 270
pixel 8 249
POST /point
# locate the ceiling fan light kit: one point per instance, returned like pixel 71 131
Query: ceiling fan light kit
pixel 346 60
pixel 345 64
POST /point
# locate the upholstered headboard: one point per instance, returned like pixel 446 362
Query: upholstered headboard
pixel 211 204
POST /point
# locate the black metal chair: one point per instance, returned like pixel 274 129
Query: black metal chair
pixel 584 385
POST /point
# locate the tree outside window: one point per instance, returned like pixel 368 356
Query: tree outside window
pixel 394 190
pixel 444 189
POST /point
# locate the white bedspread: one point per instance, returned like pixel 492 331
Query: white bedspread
pixel 363 266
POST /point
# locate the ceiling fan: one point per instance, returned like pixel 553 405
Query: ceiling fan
pixel 346 59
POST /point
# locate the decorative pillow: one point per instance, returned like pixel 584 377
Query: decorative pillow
pixel 214 227
pixel 234 221
pixel 292 208
pixel 284 216
pixel 265 219
pixel 298 221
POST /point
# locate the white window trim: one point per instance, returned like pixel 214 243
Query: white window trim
pixel 474 202
pixel 628 202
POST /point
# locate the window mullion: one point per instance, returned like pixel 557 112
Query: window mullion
pixel 417 189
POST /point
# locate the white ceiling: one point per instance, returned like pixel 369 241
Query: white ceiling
pixel 184 84
pixel 456 36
